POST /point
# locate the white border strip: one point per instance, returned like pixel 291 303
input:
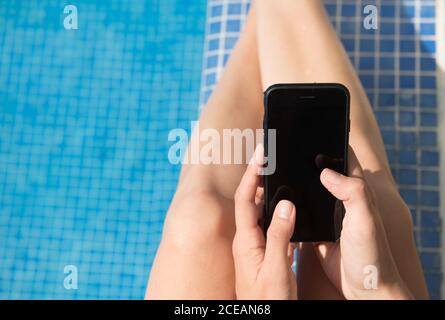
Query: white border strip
pixel 440 57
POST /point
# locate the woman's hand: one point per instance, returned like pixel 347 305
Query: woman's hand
pixel 263 270
pixel 360 264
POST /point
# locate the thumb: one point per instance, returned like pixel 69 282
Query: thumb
pixel 279 233
pixel 352 191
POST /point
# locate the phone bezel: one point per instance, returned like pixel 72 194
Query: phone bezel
pixel 312 87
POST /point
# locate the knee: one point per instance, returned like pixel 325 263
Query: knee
pixel 198 220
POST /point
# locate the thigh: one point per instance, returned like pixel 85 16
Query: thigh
pixel 194 259
pixel 236 103
pixel 398 225
pixel 285 22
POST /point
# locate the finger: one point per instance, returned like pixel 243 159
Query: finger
pixel 259 196
pixel 324 249
pixel 338 184
pixel 330 259
pixel 280 231
pixel 352 191
pixel 259 202
pixel 249 243
pixel 246 213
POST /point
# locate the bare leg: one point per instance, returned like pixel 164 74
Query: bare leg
pixel 298 44
pixel 194 259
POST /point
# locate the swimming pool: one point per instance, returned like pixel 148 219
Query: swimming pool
pixel 84 175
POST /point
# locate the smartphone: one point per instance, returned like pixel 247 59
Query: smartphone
pixel 311 126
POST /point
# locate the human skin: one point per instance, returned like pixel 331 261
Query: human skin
pixel 200 226
pixel 263 267
pixel 297 44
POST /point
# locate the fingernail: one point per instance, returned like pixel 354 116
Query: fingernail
pixel 258 159
pixel 284 209
pixel 333 176
pixel 259 154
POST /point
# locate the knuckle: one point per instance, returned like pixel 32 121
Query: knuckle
pixel 359 186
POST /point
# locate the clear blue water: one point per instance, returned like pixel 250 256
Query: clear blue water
pixel 84 118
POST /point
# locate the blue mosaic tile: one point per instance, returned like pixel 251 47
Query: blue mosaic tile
pixel 407 118
pixel 408 11
pixel 430 219
pixel 433 281
pixel 348 10
pixel 428 119
pixel 407 176
pixel 429 198
pixel 407 157
pixel 233 26
pixel 428 100
pixel 389 137
pixel 407 139
pixel 387 63
pixel 407 63
pixel 215 27
pixel 407 82
pixel 428 138
pixel 388 11
pixel 430 158
pixel 428 64
pixel 385 118
pixel 428 11
pixel 407 100
pixel 367 45
pixel 430 239
pixel 234 9
pixel 430 260
pixel 428 46
pixel 84 177
pixel 430 178
pixel 387 45
pixel 387 99
pixel 216 11
pixel 367 63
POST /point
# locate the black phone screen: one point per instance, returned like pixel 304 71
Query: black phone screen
pixel 312 126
